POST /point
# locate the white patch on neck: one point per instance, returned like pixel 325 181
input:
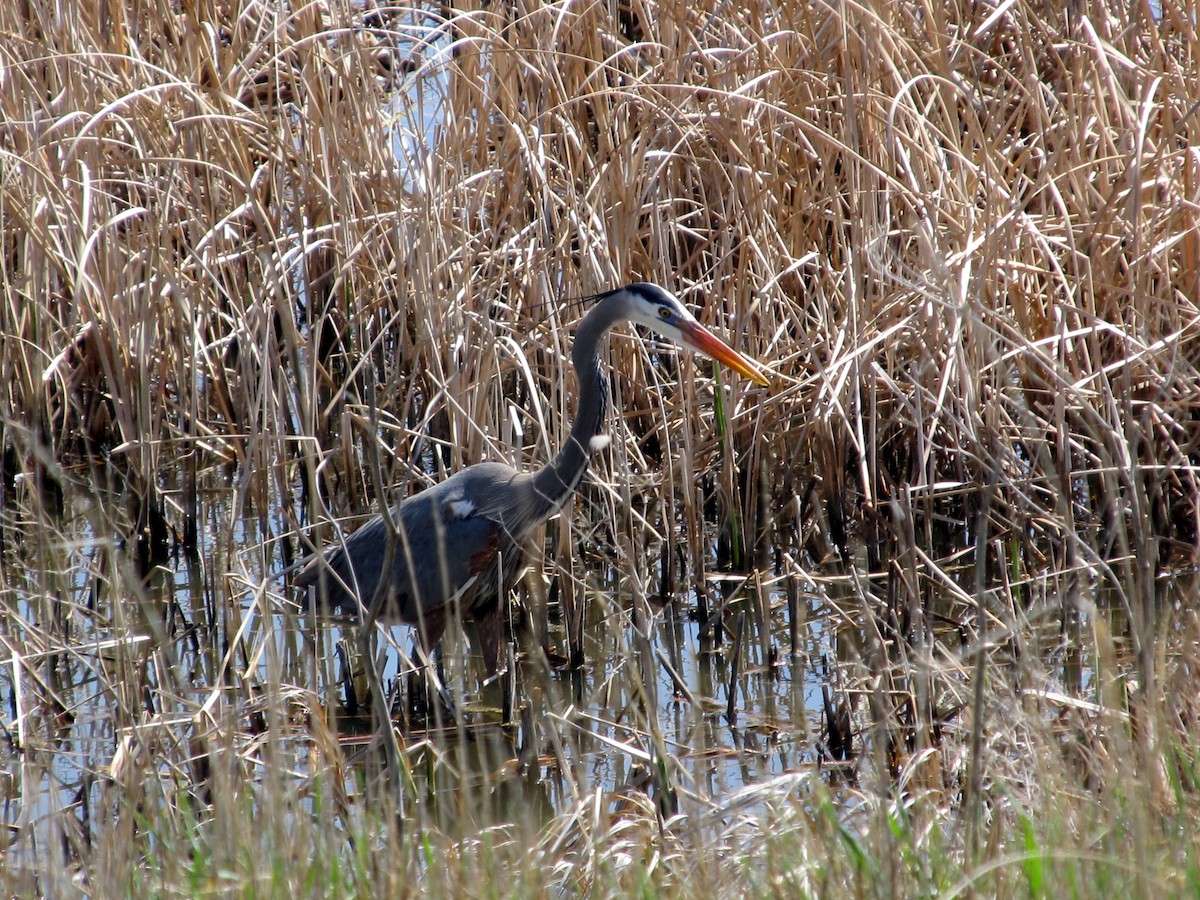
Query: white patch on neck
pixel 460 509
pixel 598 442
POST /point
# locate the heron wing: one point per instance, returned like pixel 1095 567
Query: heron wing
pixel 451 546
pixel 452 554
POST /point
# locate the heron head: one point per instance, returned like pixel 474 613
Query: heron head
pixel 662 313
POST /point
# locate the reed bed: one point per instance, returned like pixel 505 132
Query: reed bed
pixel 266 267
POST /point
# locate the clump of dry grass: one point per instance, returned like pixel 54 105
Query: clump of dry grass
pixel 966 241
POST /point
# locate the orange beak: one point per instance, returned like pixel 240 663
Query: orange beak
pixel 700 338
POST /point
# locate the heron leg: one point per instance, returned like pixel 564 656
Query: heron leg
pixel 489 625
pixel 431 625
pixel 498 656
pixel 427 681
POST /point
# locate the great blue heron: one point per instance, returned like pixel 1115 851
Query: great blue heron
pixel 459 543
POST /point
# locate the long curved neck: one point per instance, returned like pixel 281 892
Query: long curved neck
pixel 555 482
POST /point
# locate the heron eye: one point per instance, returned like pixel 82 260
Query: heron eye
pixel 664 313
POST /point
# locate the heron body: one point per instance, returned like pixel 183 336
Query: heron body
pixel 459 544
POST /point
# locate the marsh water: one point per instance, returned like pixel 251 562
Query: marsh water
pixel 95 653
pixel 127 644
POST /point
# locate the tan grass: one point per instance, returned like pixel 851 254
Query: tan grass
pixel 963 236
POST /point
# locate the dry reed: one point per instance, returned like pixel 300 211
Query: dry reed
pixel 245 286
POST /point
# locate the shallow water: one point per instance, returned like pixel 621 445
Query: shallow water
pixel 96 668
pixel 139 692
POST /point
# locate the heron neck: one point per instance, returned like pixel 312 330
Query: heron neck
pixel 555 482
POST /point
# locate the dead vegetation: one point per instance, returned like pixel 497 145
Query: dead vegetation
pixel 251 252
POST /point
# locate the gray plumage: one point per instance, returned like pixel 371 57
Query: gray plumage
pixel 461 542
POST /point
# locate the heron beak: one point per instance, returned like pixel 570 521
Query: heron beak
pixel 701 339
